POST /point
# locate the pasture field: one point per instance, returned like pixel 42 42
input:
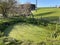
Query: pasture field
pixel 47 12
pixel 28 32
pixel 33 32
pixel 36 33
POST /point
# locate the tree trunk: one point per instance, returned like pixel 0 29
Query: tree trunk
pixel 4 13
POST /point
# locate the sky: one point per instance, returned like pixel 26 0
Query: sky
pixel 42 3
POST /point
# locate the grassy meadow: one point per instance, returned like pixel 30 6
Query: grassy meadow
pixel 36 33
pixel 47 12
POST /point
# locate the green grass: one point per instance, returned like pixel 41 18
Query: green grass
pixel 23 31
pixel 28 32
pixel 47 12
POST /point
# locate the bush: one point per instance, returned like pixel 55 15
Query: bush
pixel 1 34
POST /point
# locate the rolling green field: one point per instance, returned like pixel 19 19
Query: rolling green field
pixel 33 32
pixel 46 12
pixel 23 31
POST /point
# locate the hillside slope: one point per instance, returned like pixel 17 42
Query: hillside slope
pixel 47 12
pixel 23 31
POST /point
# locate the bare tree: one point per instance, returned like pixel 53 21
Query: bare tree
pixel 27 9
pixel 5 5
pixel 20 10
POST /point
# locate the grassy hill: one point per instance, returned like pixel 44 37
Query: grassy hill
pixel 25 31
pixel 47 12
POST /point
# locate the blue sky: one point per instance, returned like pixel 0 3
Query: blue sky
pixel 42 3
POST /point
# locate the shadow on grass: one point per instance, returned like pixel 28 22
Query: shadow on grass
pixel 32 21
pixel 53 18
pixel 38 22
pixel 46 13
pixel 8 30
pixel 11 21
pixel 9 25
